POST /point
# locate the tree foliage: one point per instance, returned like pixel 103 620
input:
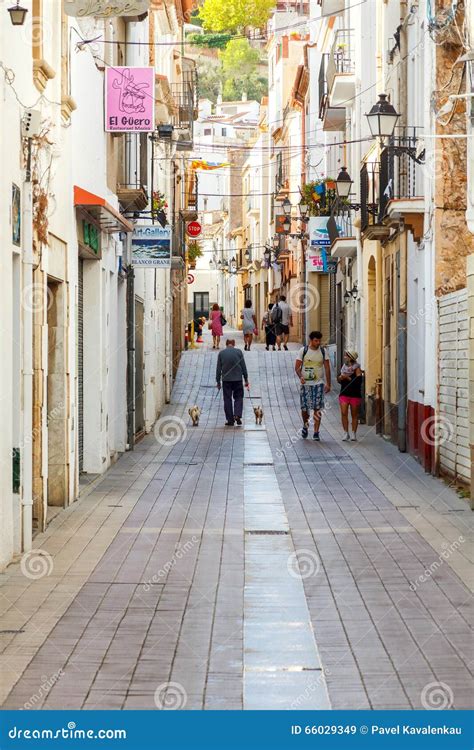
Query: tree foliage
pixel 235 15
pixel 236 73
pixel 213 41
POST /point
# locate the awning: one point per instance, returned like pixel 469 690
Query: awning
pixel 100 212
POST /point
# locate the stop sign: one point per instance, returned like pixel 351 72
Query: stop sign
pixel 194 229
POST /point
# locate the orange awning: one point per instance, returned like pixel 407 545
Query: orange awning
pixel 100 212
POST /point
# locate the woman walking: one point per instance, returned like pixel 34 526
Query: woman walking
pixel 269 326
pixel 216 325
pixel 350 396
pixel 249 324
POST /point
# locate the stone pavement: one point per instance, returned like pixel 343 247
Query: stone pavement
pixel 230 568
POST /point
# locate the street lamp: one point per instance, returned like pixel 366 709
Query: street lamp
pixel 382 118
pixel 286 206
pixel 17 14
pixel 354 292
pixel 247 253
pixel 267 254
pixel 286 224
pixel 303 209
pixel 276 241
pixel 343 183
pixel 347 296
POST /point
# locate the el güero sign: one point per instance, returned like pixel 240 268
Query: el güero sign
pixel 129 100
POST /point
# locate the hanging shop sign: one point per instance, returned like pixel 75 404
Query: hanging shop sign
pixel 129 100
pixel 279 221
pixel 16 215
pixel 318 247
pixel 190 278
pixel 151 246
pixel 105 8
pixel 193 229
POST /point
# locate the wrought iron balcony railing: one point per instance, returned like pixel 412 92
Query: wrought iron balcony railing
pixel 341 56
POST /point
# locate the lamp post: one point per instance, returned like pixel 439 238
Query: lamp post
pixel 382 118
pixel 343 183
pixel 286 206
pixel 17 14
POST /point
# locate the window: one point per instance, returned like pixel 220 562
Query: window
pixel 207 131
pixel 224 132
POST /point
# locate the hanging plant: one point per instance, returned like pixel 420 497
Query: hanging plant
pixel 159 201
pixel 319 195
pixel 194 251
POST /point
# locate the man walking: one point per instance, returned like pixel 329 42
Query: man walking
pixel 283 319
pixel 231 368
pixel 312 362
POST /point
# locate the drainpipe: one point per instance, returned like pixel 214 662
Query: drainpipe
pixel 27 459
pixel 402 255
pixel 130 347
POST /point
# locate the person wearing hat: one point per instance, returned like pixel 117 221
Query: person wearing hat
pixel 350 396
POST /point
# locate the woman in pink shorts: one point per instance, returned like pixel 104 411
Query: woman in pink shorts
pixel 350 397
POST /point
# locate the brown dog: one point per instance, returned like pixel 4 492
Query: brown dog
pixel 258 411
pixel 195 412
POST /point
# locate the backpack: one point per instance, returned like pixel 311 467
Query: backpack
pixel 276 314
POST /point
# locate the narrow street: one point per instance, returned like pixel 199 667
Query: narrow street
pixel 236 568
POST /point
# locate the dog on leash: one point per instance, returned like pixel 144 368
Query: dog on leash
pixel 258 411
pixel 194 412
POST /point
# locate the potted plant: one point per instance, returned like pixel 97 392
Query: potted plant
pixel 159 201
pixel 193 252
pixel 319 196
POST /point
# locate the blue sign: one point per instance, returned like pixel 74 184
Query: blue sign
pixel 151 246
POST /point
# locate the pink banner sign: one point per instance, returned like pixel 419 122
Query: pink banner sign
pixel 129 100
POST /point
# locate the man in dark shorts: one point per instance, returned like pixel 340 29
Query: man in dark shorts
pixel 283 319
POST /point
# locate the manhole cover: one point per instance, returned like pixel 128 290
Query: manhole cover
pixel 266 532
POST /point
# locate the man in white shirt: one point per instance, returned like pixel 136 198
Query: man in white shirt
pixel 311 364
pixel 284 323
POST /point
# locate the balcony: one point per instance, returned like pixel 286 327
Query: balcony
pixel 341 69
pixel 374 179
pixel 333 118
pixel 341 233
pixel 132 184
pixel 331 7
pixel 184 95
pixel 253 208
pixel 404 186
pixel 282 177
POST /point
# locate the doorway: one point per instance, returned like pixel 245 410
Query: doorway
pixel 57 395
pixel 201 305
pixel 139 368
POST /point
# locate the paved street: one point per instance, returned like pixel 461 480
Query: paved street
pixel 230 568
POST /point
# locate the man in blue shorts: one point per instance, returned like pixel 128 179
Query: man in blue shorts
pixel 311 364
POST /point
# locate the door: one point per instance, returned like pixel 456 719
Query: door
pixel 201 305
pixel 80 365
pixel 139 368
